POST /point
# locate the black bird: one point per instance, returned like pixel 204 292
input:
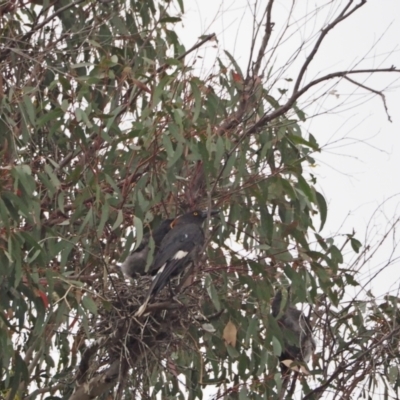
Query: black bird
pixel 179 248
pixel 135 263
pixel 299 343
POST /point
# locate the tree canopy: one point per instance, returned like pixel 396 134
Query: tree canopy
pixel 107 128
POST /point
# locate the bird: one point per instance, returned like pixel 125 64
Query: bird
pixel 299 344
pixel 135 263
pixel 179 249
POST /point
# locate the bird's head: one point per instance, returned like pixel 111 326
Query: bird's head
pixel 193 217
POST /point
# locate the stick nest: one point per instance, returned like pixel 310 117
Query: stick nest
pixel 119 335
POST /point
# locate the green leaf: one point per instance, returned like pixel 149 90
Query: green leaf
pixel 251 330
pixel 355 244
pixel 118 221
pixel 20 373
pixel 323 209
pixel 233 353
pixel 160 89
pixel 120 25
pixel 180 2
pixel 89 304
pixel 177 153
pixel 104 218
pixel 233 61
pixel 299 113
pixel 53 177
pixel 243 395
pixel 88 220
pixel 336 255
pixel 30 110
pixel 139 230
pixel 50 116
pixel 212 292
pixel 168 145
pixel 300 140
pixel 276 346
pixel 306 189
pixel 170 19
pixel 197 100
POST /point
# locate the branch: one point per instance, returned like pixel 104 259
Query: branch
pixel 342 16
pixel 183 55
pixel 344 366
pixel 297 92
pixel 48 19
pixel 99 384
pixel 7 47
pixel 295 96
pixel 50 389
pixel 165 305
pixel 373 91
pixel 265 41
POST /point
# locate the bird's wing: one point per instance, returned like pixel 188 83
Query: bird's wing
pixel 176 250
pixel 181 238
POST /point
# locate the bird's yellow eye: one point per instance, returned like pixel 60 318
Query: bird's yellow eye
pixel 195 213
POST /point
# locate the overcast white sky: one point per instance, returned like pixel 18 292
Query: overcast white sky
pixel 360 165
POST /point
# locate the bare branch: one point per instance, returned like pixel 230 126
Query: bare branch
pixel 266 38
pixel 50 389
pixel 373 91
pixel 286 107
pixel 99 384
pixel 345 366
pixel 342 16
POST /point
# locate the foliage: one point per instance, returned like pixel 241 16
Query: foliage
pixel 105 126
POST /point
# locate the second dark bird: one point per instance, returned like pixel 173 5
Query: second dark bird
pixel 299 341
pixel 178 250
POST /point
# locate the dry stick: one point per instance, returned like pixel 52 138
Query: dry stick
pixel 343 367
pixel 286 107
pixel 297 92
pixel 98 385
pixel 342 16
pixel 286 380
pixel 379 93
pixel 165 305
pixel 292 386
pixel 265 41
pixel 50 389
pixel 194 47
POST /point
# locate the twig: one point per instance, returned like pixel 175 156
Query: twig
pixel 344 366
pixel 183 55
pixel 286 107
pixel 373 91
pixel 265 41
pixel 98 385
pixel 165 305
pixel 342 16
pixel 50 389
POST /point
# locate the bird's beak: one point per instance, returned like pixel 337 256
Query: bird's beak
pixel 204 213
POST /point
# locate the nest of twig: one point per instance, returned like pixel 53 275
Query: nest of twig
pixel 121 336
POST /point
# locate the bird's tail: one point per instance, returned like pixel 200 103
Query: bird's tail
pixel 142 308
pixel 153 290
